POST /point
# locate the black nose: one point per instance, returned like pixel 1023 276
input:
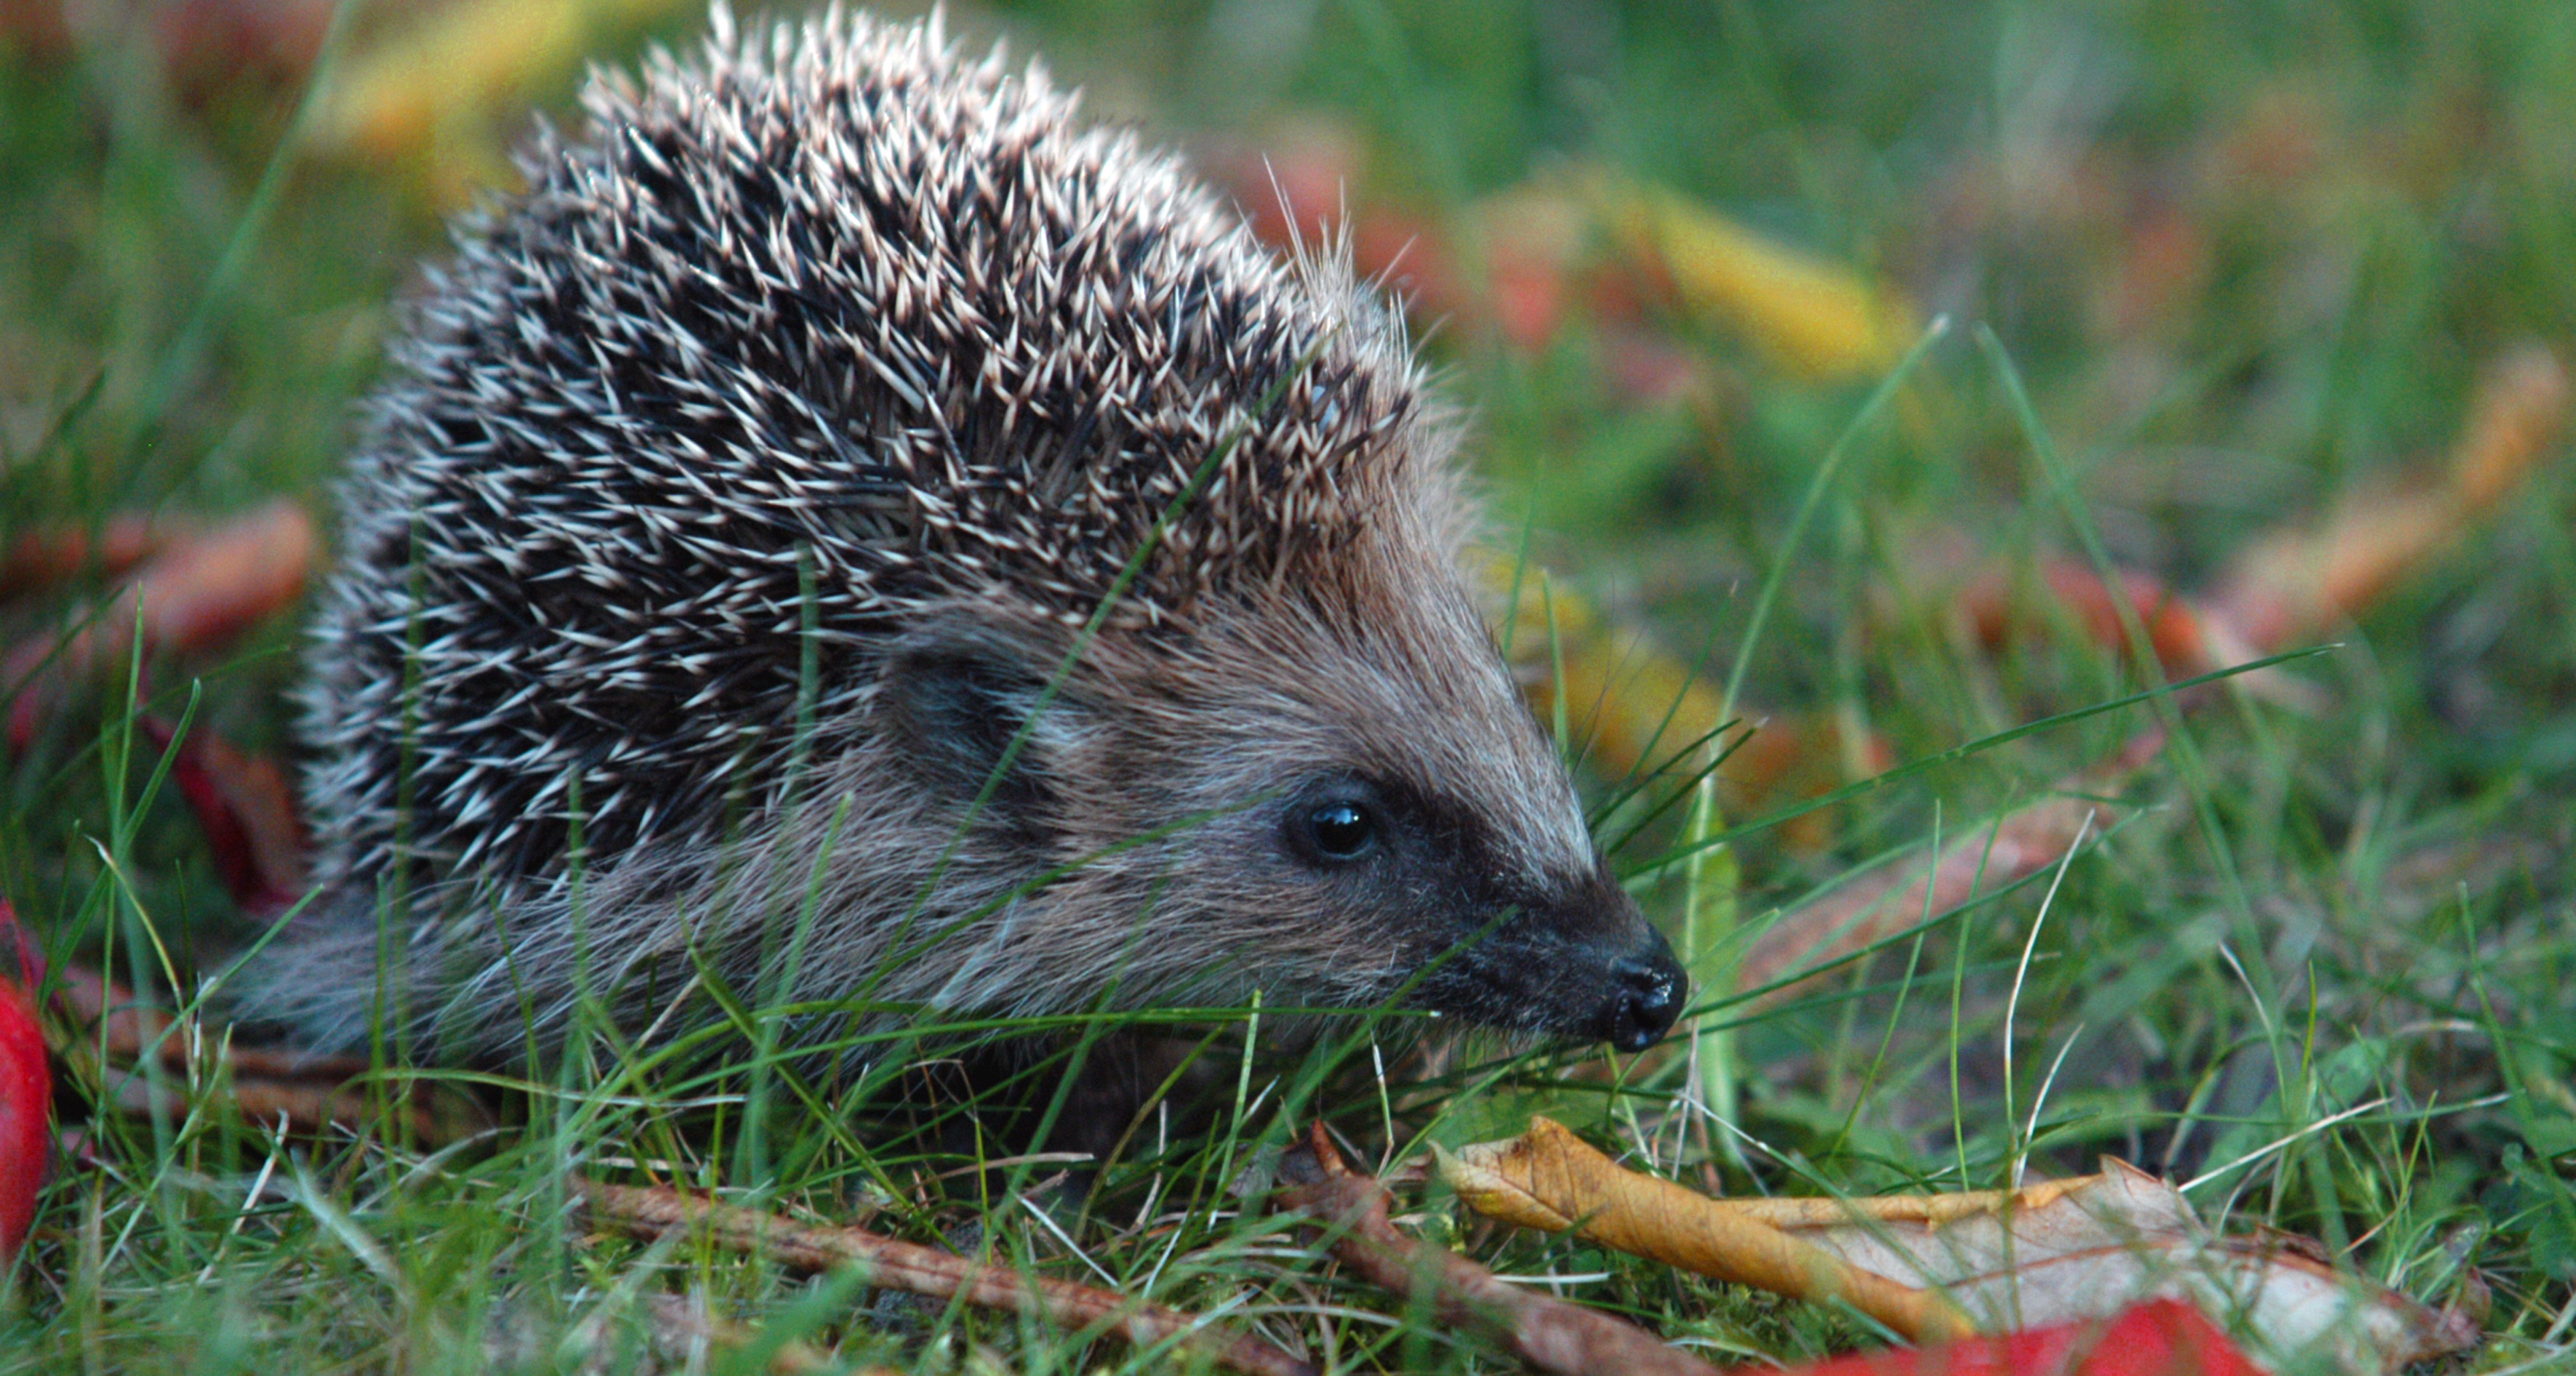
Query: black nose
pixel 1646 994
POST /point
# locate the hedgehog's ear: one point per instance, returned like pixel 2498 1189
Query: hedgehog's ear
pixel 955 696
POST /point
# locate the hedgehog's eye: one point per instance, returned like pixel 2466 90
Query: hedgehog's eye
pixel 1340 831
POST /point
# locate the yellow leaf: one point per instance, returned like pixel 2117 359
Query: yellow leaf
pixel 430 92
pixel 1550 1179
pixel 1923 1264
pixel 1809 315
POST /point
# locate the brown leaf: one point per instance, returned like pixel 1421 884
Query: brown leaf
pixel 195 596
pixel 40 558
pixel 2295 582
pixel 202 592
pixel 1869 909
pixel 2069 1249
pixel 213 45
pixel 1552 1180
pixel 2174 627
pixel 1633 708
pixel 208 46
pixel 2187 638
pixel 246 807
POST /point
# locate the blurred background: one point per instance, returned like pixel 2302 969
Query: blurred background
pixel 1884 378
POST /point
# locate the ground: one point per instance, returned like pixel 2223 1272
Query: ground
pixel 2210 278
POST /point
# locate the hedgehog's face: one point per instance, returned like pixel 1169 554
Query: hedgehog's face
pixel 1345 816
pixel 1429 900
pixel 1421 825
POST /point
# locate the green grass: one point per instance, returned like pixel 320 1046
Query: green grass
pixel 2302 912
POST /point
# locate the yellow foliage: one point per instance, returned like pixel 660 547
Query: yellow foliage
pixel 1809 315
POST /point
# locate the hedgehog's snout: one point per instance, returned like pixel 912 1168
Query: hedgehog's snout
pixel 1647 987
pixel 1615 979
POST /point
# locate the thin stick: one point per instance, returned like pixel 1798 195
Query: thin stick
pixel 892 1265
pixel 1549 1334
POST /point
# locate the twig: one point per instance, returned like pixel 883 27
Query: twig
pixel 1546 1333
pixel 892 1265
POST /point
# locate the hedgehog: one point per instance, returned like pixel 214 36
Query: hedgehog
pixel 851 530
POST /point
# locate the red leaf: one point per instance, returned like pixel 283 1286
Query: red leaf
pixel 47 555
pixel 2158 1338
pixel 26 1090
pixel 2175 628
pixel 246 808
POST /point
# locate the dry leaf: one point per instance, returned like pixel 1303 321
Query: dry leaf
pixel 1809 315
pixel 2175 629
pixel 305 1090
pixel 1631 708
pixel 1520 261
pixel 246 807
pixel 2293 583
pixel 1869 909
pixel 2157 1338
pixel 26 1086
pixel 1524 244
pixel 196 595
pixel 40 558
pixel 2187 638
pixel 2069 1249
pixel 218 45
pixel 1550 1179
pixel 443 93
pixel 208 46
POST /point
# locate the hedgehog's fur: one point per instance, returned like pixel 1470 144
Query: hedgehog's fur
pixel 833 362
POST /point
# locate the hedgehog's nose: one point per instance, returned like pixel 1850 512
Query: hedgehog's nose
pixel 1646 995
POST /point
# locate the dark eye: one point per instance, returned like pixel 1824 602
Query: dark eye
pixel 1341 831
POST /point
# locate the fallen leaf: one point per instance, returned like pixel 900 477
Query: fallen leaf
pixel 207 46
pixel 2176 630
pixel 2162 274
pixel 40 558
pixel 1633 709
pixel 202 592
pixel 2186 637
pixel 2061 1251
pixel 1869 909
pixel 214 45
pixel 195 595
pixel 103 1031
pixel 1807 314
pixel 2514 422
pixel 246 807
pixel 2157 1338
pixel 1552 1180
pixel 26 1089
pixel 1520 261
pixel 444 94
pixel 2295 582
